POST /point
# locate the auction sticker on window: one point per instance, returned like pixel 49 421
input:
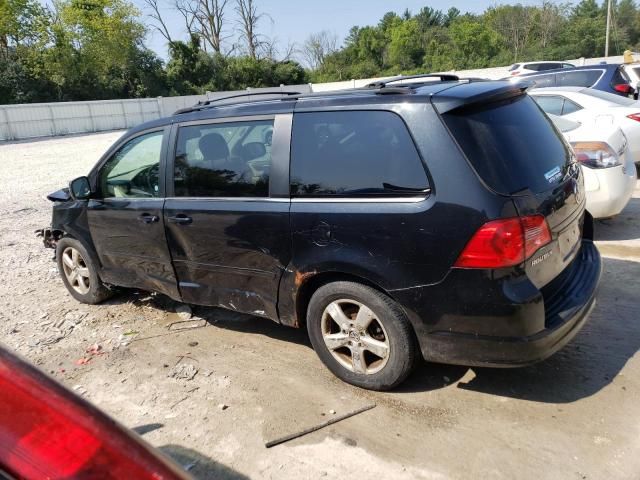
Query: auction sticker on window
pixel 553 174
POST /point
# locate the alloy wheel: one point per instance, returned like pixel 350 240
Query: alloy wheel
pixel 76 270
pixel 355 336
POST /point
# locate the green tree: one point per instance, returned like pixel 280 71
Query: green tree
pixel 191 71
pixel 474 42
pixel 405 50
pixel 587 9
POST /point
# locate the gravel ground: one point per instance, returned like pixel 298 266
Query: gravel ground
pixel 212 391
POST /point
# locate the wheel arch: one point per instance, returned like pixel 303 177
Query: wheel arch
pixel 307 284
pixel 85 241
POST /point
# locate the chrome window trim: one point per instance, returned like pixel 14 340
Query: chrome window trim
pixel 229 199
pixel 415 199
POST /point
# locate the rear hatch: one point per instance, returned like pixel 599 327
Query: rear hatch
pixel 517 152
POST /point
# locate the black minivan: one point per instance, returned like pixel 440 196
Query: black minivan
pixel 444 219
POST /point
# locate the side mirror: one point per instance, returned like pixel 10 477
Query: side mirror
pixel 80 188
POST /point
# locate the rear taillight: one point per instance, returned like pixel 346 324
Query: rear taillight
pixel 623 88
pixel 47 432
pixel 505 243
pixel 634 116
pixel 596 154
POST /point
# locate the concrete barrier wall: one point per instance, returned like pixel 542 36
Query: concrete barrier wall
pixel 18 122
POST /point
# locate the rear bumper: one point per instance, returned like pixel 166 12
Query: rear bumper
pixel 562 307
pixel 609 190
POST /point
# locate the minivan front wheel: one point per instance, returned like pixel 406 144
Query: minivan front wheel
pixel 361 335
pixel 79 273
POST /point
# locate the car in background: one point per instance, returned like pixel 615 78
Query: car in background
pixel 633 72
pixel 46 431
pixel 610 78
pixel 533 67
pixel 609 172
pixel 594 107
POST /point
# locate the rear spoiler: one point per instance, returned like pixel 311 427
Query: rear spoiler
pixel 475 94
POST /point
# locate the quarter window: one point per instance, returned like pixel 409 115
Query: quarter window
pixel 556 105
pixel 133 171
pixel 570 107
pixel 354 153
pixel 550 104
pixel 224 159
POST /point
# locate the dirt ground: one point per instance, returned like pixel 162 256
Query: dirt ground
pixel 212 391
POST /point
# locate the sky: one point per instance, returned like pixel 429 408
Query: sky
pixel 293 20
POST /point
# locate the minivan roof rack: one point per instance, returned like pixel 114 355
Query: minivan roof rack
pixel 351 91
pixel 444 77
pixel 207 103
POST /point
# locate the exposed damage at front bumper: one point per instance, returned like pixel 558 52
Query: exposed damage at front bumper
pixel 50 237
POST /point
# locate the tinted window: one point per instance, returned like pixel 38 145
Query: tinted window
pixel 511 145
pixel 619 78
pixel 568 65
pixel 132 172
pixel 548 66
pixel 578 78
pixel 515 66
pixel 550 104
pixel 224 160
pixel 354 153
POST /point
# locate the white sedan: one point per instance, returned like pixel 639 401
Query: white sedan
pixel 609 171
pixel 593 107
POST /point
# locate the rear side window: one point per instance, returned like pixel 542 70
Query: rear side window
pixel 578 78
pixel 223 159
pixel 511 145
pixel 550 104
pixel 570 107
pixel 556 105
pixel 548 66
pixel 354 153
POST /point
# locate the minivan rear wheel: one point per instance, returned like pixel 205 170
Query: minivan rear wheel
pixel 79 272
pixel 361 335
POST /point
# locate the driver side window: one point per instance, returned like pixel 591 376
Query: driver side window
pixel 133 171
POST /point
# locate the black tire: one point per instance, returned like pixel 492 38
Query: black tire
pixel 390 327
pixel 96 291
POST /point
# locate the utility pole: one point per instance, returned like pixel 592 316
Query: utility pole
pixel 606 43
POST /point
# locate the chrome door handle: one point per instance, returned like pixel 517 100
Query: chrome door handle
pixel 180 219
